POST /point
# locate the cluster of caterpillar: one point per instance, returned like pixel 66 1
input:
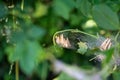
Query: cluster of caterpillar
pixel 65 40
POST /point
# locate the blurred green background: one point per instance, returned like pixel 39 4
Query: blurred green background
pixel 27 28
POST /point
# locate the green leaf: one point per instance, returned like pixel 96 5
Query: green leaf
pixel 26 52
pixel 28 60
pixel 82 47
pixel 85 7
pixel 42 70
pixel 108 54
pixel 105 17
pixel 15 52
pixel 35 32
pixel 17 36
pixel 3 10
pixel 116 75
pixel 41 10
pixel 63 7
pixel 75 20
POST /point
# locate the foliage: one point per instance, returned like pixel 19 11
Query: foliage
pixel 28 29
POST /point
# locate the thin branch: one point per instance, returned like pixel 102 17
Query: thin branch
pixel 74 72
pixel 17 70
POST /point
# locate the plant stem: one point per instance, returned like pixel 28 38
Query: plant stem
pixel 17 70
pixel 22 5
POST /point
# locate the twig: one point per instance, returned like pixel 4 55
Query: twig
pixel 17 70
pixel 78 74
